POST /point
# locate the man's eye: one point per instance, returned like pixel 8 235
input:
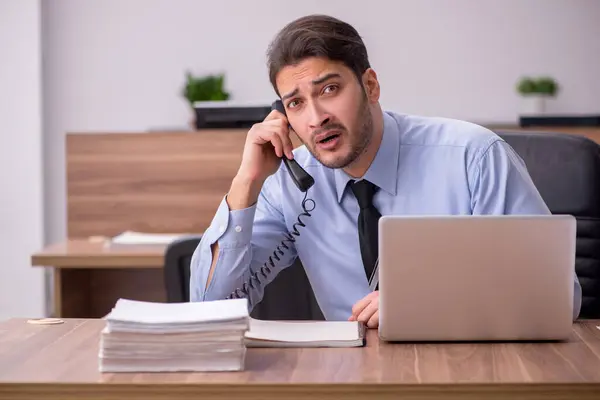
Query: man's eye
pixel 329 88
pixel 292 103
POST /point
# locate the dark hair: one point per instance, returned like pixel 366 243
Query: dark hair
pixel 317 36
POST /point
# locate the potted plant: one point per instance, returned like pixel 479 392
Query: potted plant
pixel 535 93
pixel 206 88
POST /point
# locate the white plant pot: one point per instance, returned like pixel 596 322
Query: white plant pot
pixel 533 104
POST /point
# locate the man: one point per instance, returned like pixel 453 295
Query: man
pixel 365 163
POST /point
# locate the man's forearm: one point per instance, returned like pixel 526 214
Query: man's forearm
pixel 240 237
pixel 225 245
pixel 243 193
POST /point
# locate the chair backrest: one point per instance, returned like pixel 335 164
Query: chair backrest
pixel 288 297
pixel 178 257
pixel 566 170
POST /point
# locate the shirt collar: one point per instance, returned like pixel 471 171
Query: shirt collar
pixel 383 171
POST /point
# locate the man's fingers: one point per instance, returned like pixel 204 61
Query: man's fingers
pixel 267 136
pixel 280 127
pixel 373 322
pixel 367 313
pixel 370 313
pixel 360 305
pixel 287 145
pixel 274 114
pixel 281 120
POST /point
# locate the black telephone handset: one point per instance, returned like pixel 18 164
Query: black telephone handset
pixel 304 182
pixel 300 177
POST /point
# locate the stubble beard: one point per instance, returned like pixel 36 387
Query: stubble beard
pixel 359 141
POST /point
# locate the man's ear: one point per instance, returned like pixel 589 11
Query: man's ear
pixel 371 85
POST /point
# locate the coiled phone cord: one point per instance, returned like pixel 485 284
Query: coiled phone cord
pixel 256 278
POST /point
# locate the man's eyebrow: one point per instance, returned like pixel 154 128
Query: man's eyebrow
pixel 317 81
pixel 325 78
pixel 290 94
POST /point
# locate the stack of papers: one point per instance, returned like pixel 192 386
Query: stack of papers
pixel 168 337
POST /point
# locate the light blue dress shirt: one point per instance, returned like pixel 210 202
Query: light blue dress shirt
pixel 424 166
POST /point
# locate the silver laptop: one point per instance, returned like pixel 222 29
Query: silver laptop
pixel 476 278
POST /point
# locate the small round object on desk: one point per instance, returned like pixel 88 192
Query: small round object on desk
pixel 45 321
pixel 97 239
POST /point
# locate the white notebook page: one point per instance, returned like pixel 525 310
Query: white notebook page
pixel 167 313
pixel 303 331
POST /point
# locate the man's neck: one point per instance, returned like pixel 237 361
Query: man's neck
pixel 360 166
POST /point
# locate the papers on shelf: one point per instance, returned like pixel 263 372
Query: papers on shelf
pixel 131 238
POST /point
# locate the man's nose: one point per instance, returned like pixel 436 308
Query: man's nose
pixel 318 116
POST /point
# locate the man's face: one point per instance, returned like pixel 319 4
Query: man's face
pixel 328 109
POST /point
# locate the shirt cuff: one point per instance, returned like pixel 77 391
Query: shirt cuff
pixel 232 228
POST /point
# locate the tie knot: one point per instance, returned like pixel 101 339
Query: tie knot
pixel 364 191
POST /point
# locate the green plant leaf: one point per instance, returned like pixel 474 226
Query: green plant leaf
pixel 546 85
pixel 204 88
pixel 526 85
pixel 542 85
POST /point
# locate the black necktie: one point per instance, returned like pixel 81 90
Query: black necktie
pixel 368 219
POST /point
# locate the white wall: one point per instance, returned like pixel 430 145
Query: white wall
pixel 119 64
pixel 21 219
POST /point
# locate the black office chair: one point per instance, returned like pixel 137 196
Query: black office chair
pixel 288 297
pixel 178 257
pixel 566 170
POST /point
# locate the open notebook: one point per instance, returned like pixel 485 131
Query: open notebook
pixel 205 336
pixel 305 334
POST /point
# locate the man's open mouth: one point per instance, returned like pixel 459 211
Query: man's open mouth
pixel 329 138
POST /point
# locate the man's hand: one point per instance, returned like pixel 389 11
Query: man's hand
pixel 266 143
pixel 367 310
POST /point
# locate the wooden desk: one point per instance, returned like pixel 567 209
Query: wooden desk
pixel 89 277
pixel 61 362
